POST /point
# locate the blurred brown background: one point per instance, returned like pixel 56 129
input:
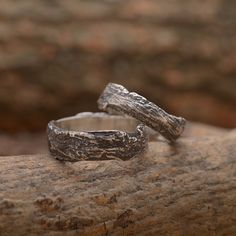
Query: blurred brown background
pixel 56 56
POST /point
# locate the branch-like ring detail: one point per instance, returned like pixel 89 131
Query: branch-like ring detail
pixel 117 99
pixel 96 136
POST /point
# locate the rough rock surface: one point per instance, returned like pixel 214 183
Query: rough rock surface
pixel 181 56
pixel 186 189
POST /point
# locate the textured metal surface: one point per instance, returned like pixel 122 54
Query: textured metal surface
pixel 117 99
pixel 69 141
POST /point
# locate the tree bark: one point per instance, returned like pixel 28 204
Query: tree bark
pixel 185 189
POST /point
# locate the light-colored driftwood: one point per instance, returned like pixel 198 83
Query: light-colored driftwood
pixel 186 189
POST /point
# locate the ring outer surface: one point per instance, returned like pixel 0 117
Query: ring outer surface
pixel 116 99
pixel 76 146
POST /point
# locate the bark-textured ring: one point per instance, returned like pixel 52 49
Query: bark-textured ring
pixel 96 136
pixel 117 99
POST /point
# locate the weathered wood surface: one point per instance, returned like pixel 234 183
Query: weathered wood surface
pixel 186 189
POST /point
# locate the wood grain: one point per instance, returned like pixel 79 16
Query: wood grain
pixel 185 189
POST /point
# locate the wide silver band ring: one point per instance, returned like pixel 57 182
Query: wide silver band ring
pixel 96 136
pixel 118 100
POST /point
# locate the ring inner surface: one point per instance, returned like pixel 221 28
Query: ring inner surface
pixel 94 124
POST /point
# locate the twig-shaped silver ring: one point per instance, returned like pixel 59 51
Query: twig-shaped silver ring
pixel 117 99
pixel 96 136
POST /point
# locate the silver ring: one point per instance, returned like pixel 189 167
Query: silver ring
pixel 96 136
pixel 117 99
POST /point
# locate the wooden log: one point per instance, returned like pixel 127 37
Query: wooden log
pixel 185 189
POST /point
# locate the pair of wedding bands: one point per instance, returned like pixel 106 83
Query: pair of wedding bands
pixel 120 133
